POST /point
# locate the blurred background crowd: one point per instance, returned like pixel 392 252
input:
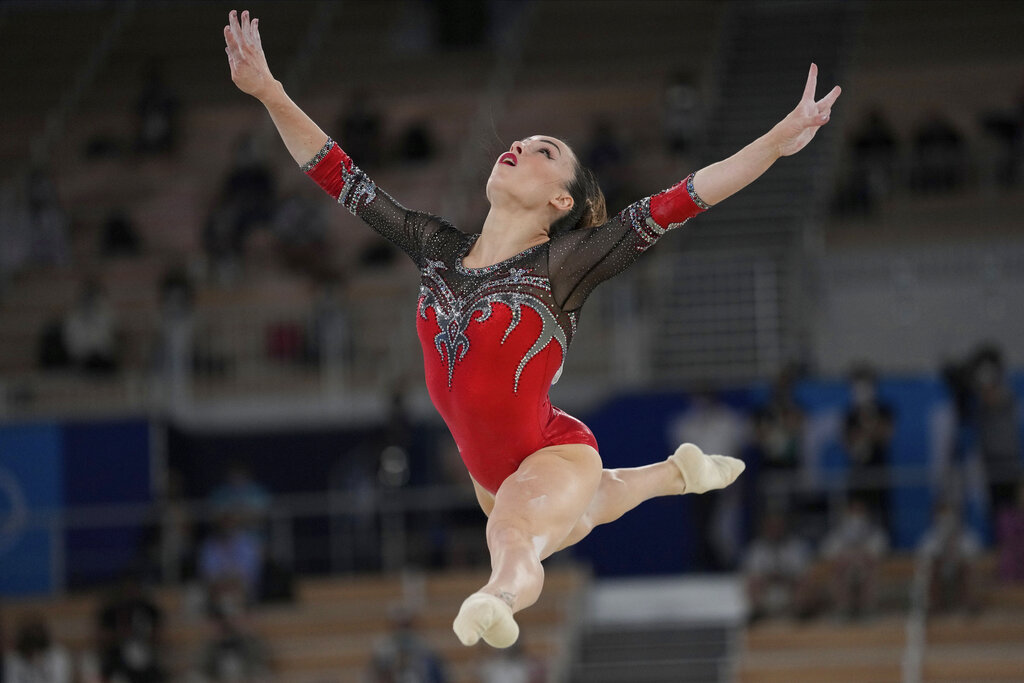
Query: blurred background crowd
pixel 216 450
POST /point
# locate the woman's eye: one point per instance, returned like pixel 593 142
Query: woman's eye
pixel 547 152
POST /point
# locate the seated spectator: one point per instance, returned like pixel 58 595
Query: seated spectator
pixel 247 200
pixel 35 658
pixel 404 655
pixel 231 564
pixel 867 436
pixel 48 220
pixel 119 236
pixel 91 331
pixel 873 156
pixel 854 550
pixel 1010 537
pixel 951 551
pixel 416 144
pixel 361 126
pixel 777 572
pixel 512 665
pixel 157 111
pixel 129 636
pixel 300 228
pixel 940 156
pixel 682 113
pixel 995 422
pixel 241 496
pixel 236 652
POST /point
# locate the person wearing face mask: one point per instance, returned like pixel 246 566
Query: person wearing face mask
pixel 497 311
pixel 867 435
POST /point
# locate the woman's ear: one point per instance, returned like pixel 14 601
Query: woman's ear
pixel 563 202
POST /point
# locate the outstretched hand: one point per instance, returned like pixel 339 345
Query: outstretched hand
pixel 249 69
pixel 796 130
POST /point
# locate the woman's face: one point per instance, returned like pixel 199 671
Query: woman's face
pixel 533 173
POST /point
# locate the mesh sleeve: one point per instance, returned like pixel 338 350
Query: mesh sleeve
pixel 334 171
pixel 582 259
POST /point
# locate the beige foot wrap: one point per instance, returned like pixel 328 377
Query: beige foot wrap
pixel 705 472
pixel 488 617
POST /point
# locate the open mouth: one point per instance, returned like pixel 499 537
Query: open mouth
pixel 508 158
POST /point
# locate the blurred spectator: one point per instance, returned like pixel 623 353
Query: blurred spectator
pixel 300 227
pixel 329 342
pixel 174 352
pixel 854 550
pixel 173 554
pixel 241 496
pixel 683 117
pixel 873 154
pixel 231 564
pixel 951 552
pixel 404 656
pixel 416 144
pixel 35 658
pixel 716 428
pixel 777 571
pixel 940 156
pixel 119 236
pixel 49 223
pixel 512 665
pixel 361 127
pixel 157 111
pixel 778 438
pixel 606 157
pixel 129 636
pixel 235 653
pixel 91 330
pixel 995 413
pixel 246 201
pixel 1010 538
pixel 867 435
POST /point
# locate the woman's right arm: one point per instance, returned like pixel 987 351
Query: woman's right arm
pixel 315 153
pixel 250 72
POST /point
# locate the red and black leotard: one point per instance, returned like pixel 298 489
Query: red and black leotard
pixel 494 338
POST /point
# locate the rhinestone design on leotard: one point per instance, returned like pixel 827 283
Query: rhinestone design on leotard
pixel 454 313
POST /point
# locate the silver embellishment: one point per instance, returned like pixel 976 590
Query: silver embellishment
pixel 358 190
pixel 311 164
pixel 693 193
pixel 487 270
pixel 453 315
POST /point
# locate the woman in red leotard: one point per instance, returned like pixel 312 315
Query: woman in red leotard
pixel 497 312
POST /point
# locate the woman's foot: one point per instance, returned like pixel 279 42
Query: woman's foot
pixel 702 472
pixel 486 616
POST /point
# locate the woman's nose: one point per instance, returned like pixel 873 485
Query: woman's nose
pixel 517 147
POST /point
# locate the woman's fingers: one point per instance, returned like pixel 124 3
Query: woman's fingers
pixel 828 100
pixel 246 25
pixel 236 30
pixel 812 83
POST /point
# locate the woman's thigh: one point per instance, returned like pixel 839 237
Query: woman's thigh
pixel 547 494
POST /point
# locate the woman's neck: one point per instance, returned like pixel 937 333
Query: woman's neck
pixel 505 234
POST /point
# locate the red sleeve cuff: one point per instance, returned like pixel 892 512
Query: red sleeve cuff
pixel 329 168
pixel 677 204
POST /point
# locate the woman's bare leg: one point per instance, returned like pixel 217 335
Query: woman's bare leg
pixel 533 511
pixel 623 489
pixel 619 491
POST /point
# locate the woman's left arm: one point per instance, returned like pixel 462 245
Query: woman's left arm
pixel 727 177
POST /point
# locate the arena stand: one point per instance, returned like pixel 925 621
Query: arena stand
pixel 556 88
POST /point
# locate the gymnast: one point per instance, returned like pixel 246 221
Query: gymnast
pixel 497 311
